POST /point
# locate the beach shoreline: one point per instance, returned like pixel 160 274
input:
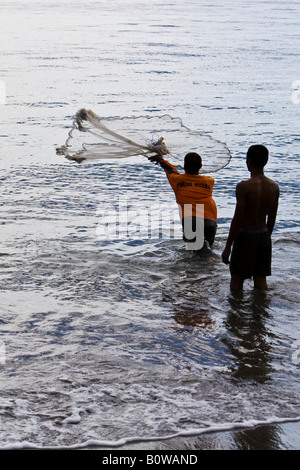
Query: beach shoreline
pixel 283 436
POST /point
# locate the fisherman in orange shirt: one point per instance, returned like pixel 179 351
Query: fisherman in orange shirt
pixel 191 190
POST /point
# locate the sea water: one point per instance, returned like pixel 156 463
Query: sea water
pixel 111 340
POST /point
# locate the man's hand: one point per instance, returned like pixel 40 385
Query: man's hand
pixel 225 255
pixel 155 159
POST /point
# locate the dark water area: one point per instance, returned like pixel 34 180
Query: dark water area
pixel 128 341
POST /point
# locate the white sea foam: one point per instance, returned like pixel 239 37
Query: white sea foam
pixel 211 428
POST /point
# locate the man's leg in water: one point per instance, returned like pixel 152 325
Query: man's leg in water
pixel 260 282
pixel 210 229
pixel 236 284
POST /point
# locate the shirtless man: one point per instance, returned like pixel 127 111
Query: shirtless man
pixel 252 224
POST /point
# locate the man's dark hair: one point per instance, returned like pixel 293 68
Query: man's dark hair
pixel 259 155
pixel 192 163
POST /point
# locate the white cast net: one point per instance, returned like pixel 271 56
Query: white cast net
pixel 95 138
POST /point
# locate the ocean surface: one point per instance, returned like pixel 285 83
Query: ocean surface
pixel 123 341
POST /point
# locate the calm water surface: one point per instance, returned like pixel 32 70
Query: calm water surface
pixel 110 341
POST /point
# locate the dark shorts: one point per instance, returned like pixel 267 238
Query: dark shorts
pixel 251 254
pixel 210 229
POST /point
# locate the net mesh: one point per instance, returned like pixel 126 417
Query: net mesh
pixel 95 138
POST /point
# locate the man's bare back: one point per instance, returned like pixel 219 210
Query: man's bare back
pixel 255 212
pixel 259 196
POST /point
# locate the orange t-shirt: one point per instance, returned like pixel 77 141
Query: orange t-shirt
pixel 191 190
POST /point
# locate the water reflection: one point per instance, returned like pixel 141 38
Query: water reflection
pixel 259 438
pixel 269 437
pixel 248 340
pixel 189 307
pixel 247 336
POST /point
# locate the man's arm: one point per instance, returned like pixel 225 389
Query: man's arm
pixel 236 221
pixel 164 164
pixel 169 169
pixel 273 213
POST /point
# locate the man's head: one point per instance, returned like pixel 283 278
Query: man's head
pixel 192 163
pixel 258 156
